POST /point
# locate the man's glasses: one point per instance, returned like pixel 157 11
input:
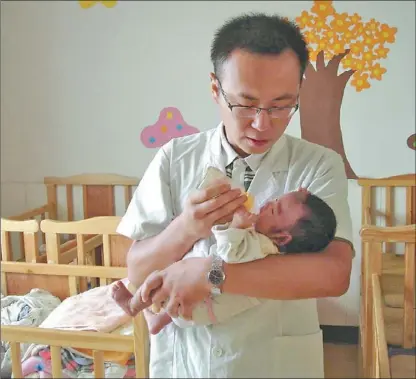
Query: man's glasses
pixel 243 111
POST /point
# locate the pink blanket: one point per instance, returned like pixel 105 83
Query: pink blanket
pixel 93 310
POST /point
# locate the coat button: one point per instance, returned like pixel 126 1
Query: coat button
pixel 217 351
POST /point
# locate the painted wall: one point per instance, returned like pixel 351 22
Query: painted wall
pixel 79 85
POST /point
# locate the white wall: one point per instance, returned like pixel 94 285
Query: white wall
pixel 77 87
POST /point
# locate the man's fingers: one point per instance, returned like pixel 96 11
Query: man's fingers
pixel 160 298
pixel 185 312
pixel 152 282
pixel 172 307
pixel 217 188
pixel 227 209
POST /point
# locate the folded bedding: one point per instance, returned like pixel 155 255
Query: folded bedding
pixel 24 310
pixel 93 310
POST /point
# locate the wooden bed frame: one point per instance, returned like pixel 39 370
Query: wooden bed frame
pixel 379 256
pixel 62 280
pixel 99 199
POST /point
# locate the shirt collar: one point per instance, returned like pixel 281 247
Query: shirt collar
pixel 229 154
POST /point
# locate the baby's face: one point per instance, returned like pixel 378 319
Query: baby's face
pixel 282 213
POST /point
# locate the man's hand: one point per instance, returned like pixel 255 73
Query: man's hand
pixel 207 207
pixel 179 287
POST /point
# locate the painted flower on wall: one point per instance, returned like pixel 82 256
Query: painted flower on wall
pixel 335 33
pixel 89 4
pixel 411 141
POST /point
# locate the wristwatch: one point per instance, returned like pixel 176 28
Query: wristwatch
pixel 216 274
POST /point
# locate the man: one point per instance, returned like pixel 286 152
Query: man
pixel 259 62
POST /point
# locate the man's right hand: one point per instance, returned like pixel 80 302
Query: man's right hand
pixel 210 206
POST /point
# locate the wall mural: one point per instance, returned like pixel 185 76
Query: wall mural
pixel 411 141
pixel 89 4
pixel 170 124
pixel 345 39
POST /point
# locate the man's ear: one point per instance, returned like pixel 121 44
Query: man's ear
pixel 214 87
pixel 282 238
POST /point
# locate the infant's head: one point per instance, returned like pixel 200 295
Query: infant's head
pixel 298 222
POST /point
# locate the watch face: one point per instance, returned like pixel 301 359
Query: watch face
pixel 216 277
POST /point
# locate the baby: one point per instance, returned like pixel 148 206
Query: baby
pixel 297 222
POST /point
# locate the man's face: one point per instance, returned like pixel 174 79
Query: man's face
pixel 258 81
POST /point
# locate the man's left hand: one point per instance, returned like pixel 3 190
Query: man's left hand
pixel 179 287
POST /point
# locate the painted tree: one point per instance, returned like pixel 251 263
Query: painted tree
pixel 339 39
pixel 88 4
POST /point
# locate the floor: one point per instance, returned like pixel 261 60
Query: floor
pixel 341 361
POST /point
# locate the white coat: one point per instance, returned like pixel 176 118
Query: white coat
pixel 276 339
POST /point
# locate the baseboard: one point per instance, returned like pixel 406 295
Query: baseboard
pixel 340 334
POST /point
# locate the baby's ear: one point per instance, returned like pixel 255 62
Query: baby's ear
pixel 281 238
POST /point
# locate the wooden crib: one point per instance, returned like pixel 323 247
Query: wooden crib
pixel 64 280
pixel 99 194
pixel 384 360
pixel 382 236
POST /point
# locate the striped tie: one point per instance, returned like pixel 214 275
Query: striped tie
pixel 248 175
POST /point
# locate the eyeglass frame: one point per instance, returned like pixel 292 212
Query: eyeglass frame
pixel 258 109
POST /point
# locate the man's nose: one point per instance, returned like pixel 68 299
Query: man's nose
pixel 262 121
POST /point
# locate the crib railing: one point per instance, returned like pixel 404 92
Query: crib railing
pixel 63 281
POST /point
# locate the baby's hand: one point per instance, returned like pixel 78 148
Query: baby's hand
pixel 243 219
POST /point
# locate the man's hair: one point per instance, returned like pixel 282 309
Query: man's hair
pixel 314 232
pixel 260 34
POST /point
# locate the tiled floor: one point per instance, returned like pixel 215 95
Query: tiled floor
pixel 341 361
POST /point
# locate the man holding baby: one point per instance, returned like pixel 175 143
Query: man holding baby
pixel 259 64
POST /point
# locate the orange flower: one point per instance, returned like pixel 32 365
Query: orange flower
pixel 348 36
pixel 368 56
pixel 358 29
pixel 382 51
pixel 348 62
pixel 304 20
pixel 337 46
pixel 369 39
pixel 340 22
pixel 318 24
pixel 377 71
pixel 322 44
pixel 310 37
pixel 387 34
pixel 328 34
pixel 360 81
pixel 323 8
pixel 357 48
pixel 355 18
pixel 371 25
pixel 358 65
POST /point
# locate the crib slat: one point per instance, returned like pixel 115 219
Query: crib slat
pixel 6 251
pixel 409 296
pixel 106 252
pixel 98 357
pixel 140 345
pixel 70 202
pixel 56 361
pixel 389 215
pixel 16 365
pixel 4 284
pixel 127 196
pixel 52 248
pixel 72 283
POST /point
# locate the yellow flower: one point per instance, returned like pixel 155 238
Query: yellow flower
pixel 387 34
pixel 371 25
pixel 329 34
pixel 348 62
pixel 360 81
pixel 323 8
pixel 337 46
pixel 304 20
pixel 382 51
pixel 319 24
pixel 310 37
pixel 368 56
pixel 377 71
pixel 340 22
pixel 355 18
pixel 369 40
pixel 89 4
pixel 357 48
